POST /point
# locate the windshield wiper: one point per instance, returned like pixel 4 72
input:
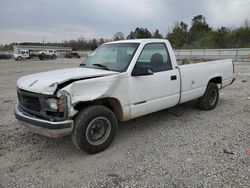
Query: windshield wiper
pixel 102 66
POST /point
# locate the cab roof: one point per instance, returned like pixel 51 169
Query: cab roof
pixel 138 41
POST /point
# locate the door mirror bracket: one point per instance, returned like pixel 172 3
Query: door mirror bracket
pixel 142 71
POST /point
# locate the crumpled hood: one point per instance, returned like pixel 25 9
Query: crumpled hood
pixel 46 82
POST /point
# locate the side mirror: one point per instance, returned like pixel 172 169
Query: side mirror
pixel 141 71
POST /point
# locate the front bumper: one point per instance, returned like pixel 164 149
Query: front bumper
pixel 44 127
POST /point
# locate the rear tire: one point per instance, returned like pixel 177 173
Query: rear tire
pixel 42 56
pixel 19 58
pixel 94 130
pixel 210 98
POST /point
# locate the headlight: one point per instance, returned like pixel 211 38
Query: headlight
pixel 57 104
pixel 52 103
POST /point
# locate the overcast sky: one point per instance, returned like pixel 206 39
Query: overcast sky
pixel 57 20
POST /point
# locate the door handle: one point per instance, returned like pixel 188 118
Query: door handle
pixel 173 77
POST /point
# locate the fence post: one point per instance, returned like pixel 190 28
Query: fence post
pixel 236 54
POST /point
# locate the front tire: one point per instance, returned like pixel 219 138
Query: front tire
pixel 210 99
pixel 95 129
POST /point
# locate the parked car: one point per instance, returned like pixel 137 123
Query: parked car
pixel 119 81
pixel 5 55
pixel 47 54
pixel 72 55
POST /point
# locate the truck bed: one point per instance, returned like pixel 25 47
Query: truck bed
pixel 194 77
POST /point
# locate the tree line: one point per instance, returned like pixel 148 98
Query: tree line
pixel 201 35
pixel 198 35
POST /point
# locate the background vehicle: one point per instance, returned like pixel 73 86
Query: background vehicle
pixel 119 81
pixel 24 54
pixel 47 54
pixel 72 55
pixel 5 55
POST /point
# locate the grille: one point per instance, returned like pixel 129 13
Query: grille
pixel 30 102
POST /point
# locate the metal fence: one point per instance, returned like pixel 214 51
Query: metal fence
pixel 239 54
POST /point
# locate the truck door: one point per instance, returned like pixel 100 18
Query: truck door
pixel 154 84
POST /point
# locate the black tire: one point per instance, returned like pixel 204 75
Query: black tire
pixel 41 56
pixel 90 122
pixel 53 56
pixel 19 58
pixel 210 98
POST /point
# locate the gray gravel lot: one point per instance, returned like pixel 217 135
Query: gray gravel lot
pixel 179 147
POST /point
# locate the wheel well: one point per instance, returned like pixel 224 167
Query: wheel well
pixel 112 103
pixel 216 80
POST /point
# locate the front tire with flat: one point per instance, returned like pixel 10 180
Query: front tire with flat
pixel 94 129
pixel 210 98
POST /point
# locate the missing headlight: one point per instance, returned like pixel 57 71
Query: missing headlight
pixel 61 104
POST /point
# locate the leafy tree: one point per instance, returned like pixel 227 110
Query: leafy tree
pixel 101 41
pixel 157 34
pixel 199 28
pixel 139 33
pixel 240 38
pixel 179 34
pixel 220 37
pixel 207 41
pixel 118 36
pixel 94 44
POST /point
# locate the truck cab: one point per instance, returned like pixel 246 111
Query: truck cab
pixel 22 54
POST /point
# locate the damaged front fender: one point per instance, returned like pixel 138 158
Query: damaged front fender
pixel 91 89
pixel 98 88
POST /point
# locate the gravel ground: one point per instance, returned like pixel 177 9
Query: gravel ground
pixel 179 147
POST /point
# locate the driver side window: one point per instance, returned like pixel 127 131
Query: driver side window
pixel 155 56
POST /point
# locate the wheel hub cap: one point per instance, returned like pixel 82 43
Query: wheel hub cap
pixel 212 97
pixel 98 130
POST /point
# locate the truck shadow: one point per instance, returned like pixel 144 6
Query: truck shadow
pixel 164 115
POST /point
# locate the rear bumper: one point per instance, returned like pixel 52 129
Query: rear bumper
pixel 44 127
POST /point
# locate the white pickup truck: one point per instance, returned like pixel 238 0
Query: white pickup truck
pixel 119 81
pixel 47 54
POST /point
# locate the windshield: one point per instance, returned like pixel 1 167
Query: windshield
pixel 114 57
